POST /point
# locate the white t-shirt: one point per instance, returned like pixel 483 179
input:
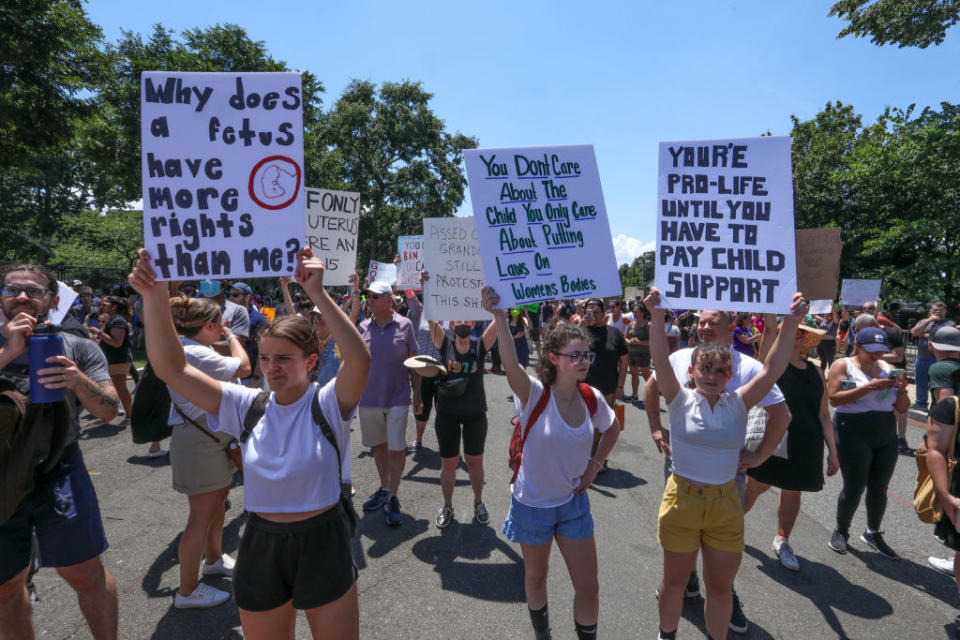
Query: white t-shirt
pixel 745 369
pixel 288 465
pixel 204 358
pixel 705 442
pixel 555 454
pixel 621 323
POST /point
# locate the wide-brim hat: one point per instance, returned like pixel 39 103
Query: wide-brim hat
pixel 426 366
pixel 811 337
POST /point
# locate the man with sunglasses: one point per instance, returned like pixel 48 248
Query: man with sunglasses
pixel 240 293
pixel 66 520
pixel 608 368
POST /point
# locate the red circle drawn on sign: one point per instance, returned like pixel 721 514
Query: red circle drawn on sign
pixel 253 173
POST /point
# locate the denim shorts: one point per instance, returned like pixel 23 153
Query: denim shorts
pixel 536 525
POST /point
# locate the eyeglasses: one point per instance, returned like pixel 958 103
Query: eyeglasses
pixel 578 356
pixel 13 291
pixel 377 296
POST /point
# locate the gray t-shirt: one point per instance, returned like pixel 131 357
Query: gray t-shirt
pixel 90 360
pixel 923 344
pixel 237 318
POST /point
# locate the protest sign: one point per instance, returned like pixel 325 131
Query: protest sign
pixel 332 221
pixel 67 296
pixel 410 249
pixel 542 223
pixel 270 313
pixel 821 306
pixel 725 225
pixel 382 272
pixel 818 262
pixel 452 258
pixel 632 292
pixel 222 163
pixel 854 293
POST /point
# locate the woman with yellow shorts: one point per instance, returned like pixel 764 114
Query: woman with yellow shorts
pixel 701 509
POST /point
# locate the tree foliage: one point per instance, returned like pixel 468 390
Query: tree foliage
pixel 894 190
pixel 905 23
pixel 640 272
pixel 391 148
pixel 100 241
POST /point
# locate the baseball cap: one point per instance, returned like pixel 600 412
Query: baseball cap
pixel 242 287
pixel 379 287
pixel 873 340
pixel 946 339
pixel 209 288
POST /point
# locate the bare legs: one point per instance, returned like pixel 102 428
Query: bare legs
pixel 202 535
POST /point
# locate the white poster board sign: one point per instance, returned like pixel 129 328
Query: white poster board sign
pixel 332 221
pixel 542 223
pixel 725 236
pixel 820 307
pixel 382 272
pixel 452 258
pixel 853 293
pixel 222 161
pixel 67 296
pixel 410 249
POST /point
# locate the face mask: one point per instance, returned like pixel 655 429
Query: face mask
pixel 462 330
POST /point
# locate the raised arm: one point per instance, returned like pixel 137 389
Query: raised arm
pixel 769 335
pixel 285 292
pixel 163 346
pixel 489 335
pixel 516 375
pixel 352 375
pixel 754 391
pixel 660 348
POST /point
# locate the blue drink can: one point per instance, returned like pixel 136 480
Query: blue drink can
pixel 44 343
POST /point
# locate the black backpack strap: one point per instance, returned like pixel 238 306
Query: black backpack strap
pixel 326 429
pixel 254 413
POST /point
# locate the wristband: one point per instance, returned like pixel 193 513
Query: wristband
pixel 596 462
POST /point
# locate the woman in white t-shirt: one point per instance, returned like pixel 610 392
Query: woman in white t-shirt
pixel 701 511
pixel 549 500
pixel 199 462
pixel 295 552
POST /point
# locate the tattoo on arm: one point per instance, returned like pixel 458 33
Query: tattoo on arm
pixel 99 399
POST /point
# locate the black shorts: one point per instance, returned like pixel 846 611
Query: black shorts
pixel 428 390
pixel 67 521
pixel 638 358
pixel 474 430
pixel 309 562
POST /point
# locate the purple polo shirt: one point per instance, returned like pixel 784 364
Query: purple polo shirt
pixel 388 384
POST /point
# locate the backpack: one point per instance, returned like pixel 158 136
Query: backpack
pixel 21 426
pixel 925 499
pixel 150 413
pixel 519 438
pixel 256 411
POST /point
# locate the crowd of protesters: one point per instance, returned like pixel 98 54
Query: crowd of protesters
pixel 279 377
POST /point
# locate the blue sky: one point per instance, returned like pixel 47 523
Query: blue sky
pixel 620 75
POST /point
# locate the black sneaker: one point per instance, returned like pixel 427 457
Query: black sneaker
pixel 445 517
pixel 903 445
pixel 693 587
pixel 376 499
pixel 738 621
pixel 878 544
pixel 480 513
pixel 393 516
pixel 838 542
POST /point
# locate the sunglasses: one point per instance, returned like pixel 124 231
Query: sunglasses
pixel 377 296
pixel 578 356
pixel 236 294
pixel 13 291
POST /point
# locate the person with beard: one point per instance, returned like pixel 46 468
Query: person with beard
pixel 70 540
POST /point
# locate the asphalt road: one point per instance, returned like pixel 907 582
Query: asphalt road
pixel 467 580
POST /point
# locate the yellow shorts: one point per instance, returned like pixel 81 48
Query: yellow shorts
pixel 691 516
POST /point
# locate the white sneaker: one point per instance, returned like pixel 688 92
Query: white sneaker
pixel 159 453
pixel 943 565
pixel 783 550
pixel 222 567
pixel 203 597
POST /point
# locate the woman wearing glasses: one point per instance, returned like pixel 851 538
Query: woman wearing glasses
pixel 549 499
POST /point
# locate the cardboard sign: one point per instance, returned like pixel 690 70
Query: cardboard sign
pixel 332 221
pixel 382 272
pixel 67 296
pixel 222 165
pixel 452 258
pixel 632 292
pixel 542 223
pixel 818 262
pixel 725 225
pixel 410 249
pixel 853 293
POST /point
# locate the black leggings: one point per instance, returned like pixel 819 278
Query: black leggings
pixel 826 351
pixel 867 448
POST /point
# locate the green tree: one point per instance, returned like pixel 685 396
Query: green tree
pixel 639 272
pixel 391 148
pixel 100 240
pixel 905 23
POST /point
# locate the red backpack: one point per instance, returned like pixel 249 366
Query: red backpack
pixel 519 438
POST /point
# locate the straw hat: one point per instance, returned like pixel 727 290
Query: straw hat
pixel 811 337
pixel 426 366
